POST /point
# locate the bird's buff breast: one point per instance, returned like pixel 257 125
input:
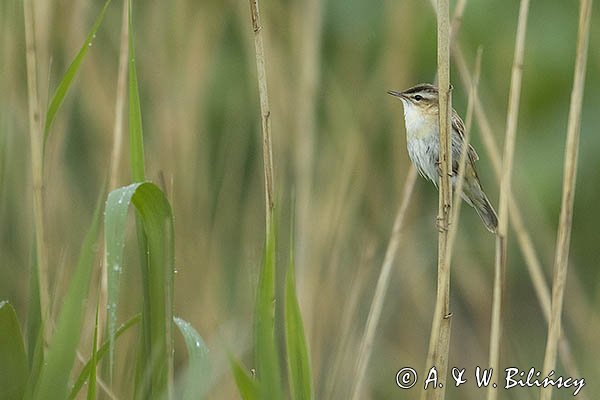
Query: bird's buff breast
pixel 420 124
pixel 422 142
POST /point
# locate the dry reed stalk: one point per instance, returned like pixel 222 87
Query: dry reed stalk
pixel 309 26
pixel 524 239
pixel 505 189
pixel 457 18
pixel 366 345
pixel 534 266
pixel 265 113
pixel 439 341
pixel 37 167
pixel 561 260
pixel 309 31
pixel 463 157
pixel 115 156
pixel 532 261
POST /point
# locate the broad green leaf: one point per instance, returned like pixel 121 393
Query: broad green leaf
pixel 54 376
pixel 267 361
pixel 247 386
pixel 297 353
pixel 198 370
pixel 156 220
pixel 67 80
pixel 86 370
pixel 13 361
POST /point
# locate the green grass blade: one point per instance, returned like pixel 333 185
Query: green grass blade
pixel 155 215
pixel 267 361
pixel 86 370
pixel 91 394
pixel 198 371
pixel 115 223
pixel 13 360
pixel 136 137
pixel 36 366
pixel 67 80
pixel 155 212
pixel 35 326
pixel 54 376
pixel 297 352
pixel 34 314
pixel 247 386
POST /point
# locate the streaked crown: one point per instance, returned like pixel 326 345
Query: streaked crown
pixel 422 95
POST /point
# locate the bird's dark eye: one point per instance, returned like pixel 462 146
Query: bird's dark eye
pixel 418 97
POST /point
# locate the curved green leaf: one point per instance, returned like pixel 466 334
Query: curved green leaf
pixel 13 361
pixel 198 371
pixel 155 217
pixel 247 386
pixel 67 80
pixel 297 353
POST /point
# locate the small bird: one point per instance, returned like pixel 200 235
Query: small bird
pixel 421 112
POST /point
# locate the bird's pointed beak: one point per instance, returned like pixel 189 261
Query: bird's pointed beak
pixel 396 94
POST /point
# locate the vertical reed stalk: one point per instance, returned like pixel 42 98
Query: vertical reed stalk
pixel 37 167
pixel 366 345
pixel 383 282
pixel 463 157
pixel 265 113
pixel 457 18
pixel 505 189
pixel 532 261
pixel 310 24
pixel 440 331
pixel 568 194
pixel 115 157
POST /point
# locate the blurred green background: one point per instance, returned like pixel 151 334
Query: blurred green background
pixel 339 150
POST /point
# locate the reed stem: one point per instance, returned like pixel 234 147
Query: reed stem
pixel 37 167
pixel 505 189
pixel 265 113
pixel 439 341
pixel 561 260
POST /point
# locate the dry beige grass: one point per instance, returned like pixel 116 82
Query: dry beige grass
pixel 505 190
pixel 439 342
pixel 200 113
pixel 265 114
pixel 36 139
pixel 563 240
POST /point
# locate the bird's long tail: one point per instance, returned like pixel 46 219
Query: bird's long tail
pixel 475 196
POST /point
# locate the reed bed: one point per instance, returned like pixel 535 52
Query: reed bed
pixel 292 247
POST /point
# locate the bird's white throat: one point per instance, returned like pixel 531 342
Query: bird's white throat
pixel 419 124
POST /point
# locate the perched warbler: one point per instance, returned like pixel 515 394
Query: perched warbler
pixel 421 110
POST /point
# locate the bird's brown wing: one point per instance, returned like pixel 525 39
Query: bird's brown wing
pixel 459 127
